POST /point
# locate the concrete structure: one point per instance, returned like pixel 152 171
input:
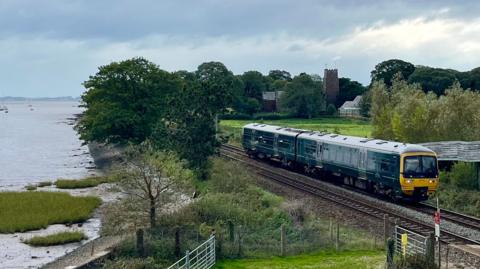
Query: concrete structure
pixel 331 85
pixel 270 100
pixel 453 151
pixel 351 108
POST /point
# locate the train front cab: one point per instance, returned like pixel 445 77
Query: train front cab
pixel 418 175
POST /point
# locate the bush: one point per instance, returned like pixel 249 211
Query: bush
pixel 136 263
pixel 464 175
pixel 25 211
pixel 56 239
pixel 235 116
pixel 331 110
pixel 414 262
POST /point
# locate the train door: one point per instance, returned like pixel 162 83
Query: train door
pixel 319 152
pixel 275 145
pixel 362 163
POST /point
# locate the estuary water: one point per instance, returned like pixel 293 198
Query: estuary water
pixel 38 143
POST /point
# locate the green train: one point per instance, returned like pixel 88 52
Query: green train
pixel 401 171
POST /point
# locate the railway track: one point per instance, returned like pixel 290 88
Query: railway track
pixel 311 186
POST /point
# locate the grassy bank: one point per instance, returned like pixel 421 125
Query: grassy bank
pixel 56 239
pixel 336 125
pixel 82 183
pixel 322 260
pixel 24 211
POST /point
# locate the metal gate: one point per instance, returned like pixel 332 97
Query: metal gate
pixel 203 257
pixel 410 242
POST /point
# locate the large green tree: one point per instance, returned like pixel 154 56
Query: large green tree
pixel 190 125
pixel 433 79
pixel 255 84
pixel 124 101
pixel 303 97
pixel 386 70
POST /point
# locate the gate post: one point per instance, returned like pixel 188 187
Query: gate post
pixel 430 249
pixel 187 260
pixel 390 252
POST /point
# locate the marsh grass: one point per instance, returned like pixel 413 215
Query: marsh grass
pixel 31 187
pixel 44 184
pixel 82 183
pixel 25 211
pixel 56 239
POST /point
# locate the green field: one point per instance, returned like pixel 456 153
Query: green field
pixel 33 210
pixel 344 126
pixel 360 259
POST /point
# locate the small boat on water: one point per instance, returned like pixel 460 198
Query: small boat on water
pixel 4 108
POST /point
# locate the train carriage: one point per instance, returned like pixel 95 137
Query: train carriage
pixel 392 168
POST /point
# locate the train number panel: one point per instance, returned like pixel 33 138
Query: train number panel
pixel 395 169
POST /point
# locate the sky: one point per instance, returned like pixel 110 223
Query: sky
pixel 49 47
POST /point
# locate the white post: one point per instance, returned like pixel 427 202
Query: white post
pixel 187 260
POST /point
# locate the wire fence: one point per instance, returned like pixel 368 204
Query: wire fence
pixel 202 257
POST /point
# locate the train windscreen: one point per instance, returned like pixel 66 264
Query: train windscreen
pixel 420 167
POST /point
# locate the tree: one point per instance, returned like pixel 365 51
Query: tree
pixel 255 84
pixel 189 128
pixel 280 75
pixel 303 97
pixel 380 111
pixel 349 89
pixel 386 70
pixel 153 177
pixel 124 100
pixel 433 79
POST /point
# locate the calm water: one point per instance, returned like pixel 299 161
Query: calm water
pixel 39 143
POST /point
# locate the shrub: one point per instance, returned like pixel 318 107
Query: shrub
pixel 136 263
pixel 56 239
pixel 25 211
pixel 464 175
pixel 235 116
pixel 414 261
pixel 331 110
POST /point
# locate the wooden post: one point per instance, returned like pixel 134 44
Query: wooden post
pixel 93 248
pixel 140 246
pixel 177 243
pixel 331 230
pixel 337 241
pixel 430 251
pixel 446 258
pixel 385 227
pixel 231 230
pixel 283 242
pixel 439 254
pixel 390 252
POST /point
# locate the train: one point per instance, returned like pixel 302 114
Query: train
pixel 398 170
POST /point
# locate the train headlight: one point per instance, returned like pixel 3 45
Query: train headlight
pixel 409 181
pixel 432 181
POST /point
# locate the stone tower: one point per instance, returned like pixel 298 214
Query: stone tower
pixel 330 85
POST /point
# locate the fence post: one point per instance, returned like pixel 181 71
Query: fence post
pixel 430 249
pixel 140 245
pixel 390 252
pixel 385 227
pixel 177 243
pixel 331 230
pixel 338 237
pixel 187 260
pixel 282 240
pixel 231 230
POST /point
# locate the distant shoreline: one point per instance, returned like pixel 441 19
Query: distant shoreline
pixel 22 99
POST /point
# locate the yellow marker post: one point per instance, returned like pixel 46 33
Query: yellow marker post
pixel 404 244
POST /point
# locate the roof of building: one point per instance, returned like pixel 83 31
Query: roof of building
pixel 456 150
pixel 370 143
pixel 354 104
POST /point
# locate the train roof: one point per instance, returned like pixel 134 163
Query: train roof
pixel 370 143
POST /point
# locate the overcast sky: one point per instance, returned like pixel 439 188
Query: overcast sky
pixel 49 47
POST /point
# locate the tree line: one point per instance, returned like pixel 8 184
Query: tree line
pixel 404 112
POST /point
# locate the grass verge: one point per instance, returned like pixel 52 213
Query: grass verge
pixel 344 126
pixel 82 183
pixel 25 211
pixel 56 239
pixel 326 259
